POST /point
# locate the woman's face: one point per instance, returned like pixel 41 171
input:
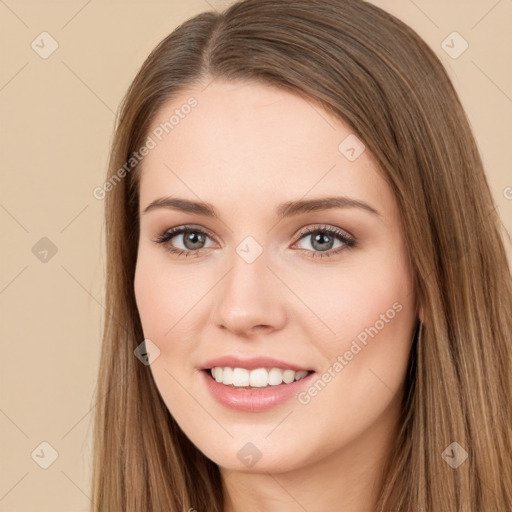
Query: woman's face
pixel 325 288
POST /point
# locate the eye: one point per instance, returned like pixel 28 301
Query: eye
pixel 322 239
pixel 192 241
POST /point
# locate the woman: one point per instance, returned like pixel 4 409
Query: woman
pixel 308 294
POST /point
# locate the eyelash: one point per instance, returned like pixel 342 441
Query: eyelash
pixel 348 241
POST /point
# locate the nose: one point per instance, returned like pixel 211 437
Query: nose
pixel 249 299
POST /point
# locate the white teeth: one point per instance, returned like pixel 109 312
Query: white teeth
pixel 288 376
pixel 227 375
pixel 275 377
pixel 240 376
pixel 258 378
pixel 217 374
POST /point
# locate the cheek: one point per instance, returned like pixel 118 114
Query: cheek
pixel 161 295
pixel 167 300
pixel 370 315
pixel 160 310
pixel 149 298
pixel 353 297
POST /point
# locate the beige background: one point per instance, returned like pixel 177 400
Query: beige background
pixel 57 120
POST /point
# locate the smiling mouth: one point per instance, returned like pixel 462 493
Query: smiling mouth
pixel 255 379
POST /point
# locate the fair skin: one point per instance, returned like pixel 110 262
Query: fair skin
pixel 245 149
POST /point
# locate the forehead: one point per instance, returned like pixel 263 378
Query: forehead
pixel 247 139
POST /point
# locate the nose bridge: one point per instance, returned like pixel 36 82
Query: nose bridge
pixel 248 296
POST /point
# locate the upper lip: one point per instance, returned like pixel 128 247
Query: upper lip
pixel 251 363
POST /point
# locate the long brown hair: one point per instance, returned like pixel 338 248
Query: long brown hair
pixel 375 73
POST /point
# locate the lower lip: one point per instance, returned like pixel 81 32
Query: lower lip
pixel 256 399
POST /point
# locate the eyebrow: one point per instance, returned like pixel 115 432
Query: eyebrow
pixel 287 209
